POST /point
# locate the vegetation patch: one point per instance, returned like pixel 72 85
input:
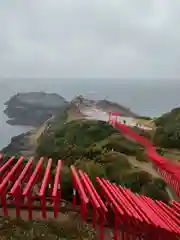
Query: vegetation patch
pixel 100 150
pixel 64 228
pixel 167 133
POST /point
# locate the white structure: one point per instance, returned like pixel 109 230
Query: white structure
pixel 98 114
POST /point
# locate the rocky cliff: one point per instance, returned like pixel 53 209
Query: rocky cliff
pixel 105 105
pixel 33 108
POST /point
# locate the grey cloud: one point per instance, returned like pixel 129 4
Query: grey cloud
pixel 97 38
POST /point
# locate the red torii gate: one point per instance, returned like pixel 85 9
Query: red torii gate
pixel 128 215
pixel 113 114
pixel 167 169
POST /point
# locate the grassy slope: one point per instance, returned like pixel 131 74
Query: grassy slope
pixel 135 159
pixel 124 162
pixel 88 145
pixel 167 134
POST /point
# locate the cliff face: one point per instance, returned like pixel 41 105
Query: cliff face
pixel 115 107
pixel 18 144
pixel 33 108
pixel 105 105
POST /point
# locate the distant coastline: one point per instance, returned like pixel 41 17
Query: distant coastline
pixel 33 108
pixel 29 110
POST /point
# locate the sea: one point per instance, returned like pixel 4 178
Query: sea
pixel 147 98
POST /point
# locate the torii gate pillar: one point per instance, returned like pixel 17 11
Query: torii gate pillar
pixel 113 114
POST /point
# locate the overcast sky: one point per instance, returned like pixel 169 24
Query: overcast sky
pixel 95 38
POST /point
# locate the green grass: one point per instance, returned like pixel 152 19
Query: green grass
pixel 98 149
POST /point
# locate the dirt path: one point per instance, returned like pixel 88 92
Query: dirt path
pixel 147 167
pixel 38 132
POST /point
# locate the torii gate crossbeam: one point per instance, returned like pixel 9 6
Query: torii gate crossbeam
pixel 128 215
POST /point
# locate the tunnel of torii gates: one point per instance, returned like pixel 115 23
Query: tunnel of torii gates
pixel 29 188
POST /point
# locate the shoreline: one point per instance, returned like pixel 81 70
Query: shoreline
pixel 8 132
pixel 17 144
pixel 26 142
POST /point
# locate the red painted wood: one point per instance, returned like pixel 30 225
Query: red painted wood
pixel 129 215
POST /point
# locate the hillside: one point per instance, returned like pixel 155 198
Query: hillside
pixel 94 146
pixel 101 150
pixel 167 134
pixel 115 107
pixel 105 105
pixel 168 129
pixel 37 108
pixel 86 143
pixel 98 149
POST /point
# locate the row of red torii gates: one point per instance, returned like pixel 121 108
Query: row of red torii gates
pixel 128 215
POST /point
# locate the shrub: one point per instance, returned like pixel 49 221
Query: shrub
pixel 97 148
pixel 142 132
pixel 136 180
pixel 73 139
pixel 167 133
pixel 159 183
pixel 66 183
pixel 116 165
pixel 160 151
pixel 91 168
pixel 141 155
pixel 115 158
pixel 123 145
pixel 155 192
